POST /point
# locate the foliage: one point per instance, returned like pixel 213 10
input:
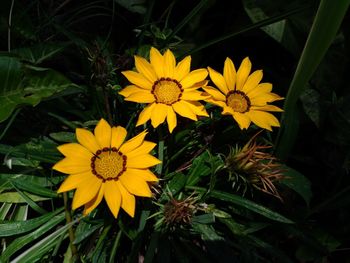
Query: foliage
pixel 61 66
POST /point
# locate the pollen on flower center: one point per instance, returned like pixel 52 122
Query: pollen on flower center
pixel 167 91
pixel 108 164
pixel 238 101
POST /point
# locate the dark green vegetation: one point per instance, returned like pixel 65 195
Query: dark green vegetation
pixel 60 68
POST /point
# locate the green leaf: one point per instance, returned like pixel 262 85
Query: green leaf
pixel 23 85
pixel 175 185
pixel 135 6
pixel 204 219
pixel 20 242
pixel 15 197
pixel 325 26
pixel 63 136
pixel 34 189
pixel 11 228
pixel 207 232
pixel 40 52
pixel 235 199
pixel 298 182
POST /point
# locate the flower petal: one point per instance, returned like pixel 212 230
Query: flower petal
pixel 158 114
pixel 157 62
pixel 169 64
pixel 252 81
pixel 72 166
pixel 243 73
pixel 230 74
pixel 263 119
pixel 91 205
pixel 194 95
pixel 242 120
pixel 262 88
pixel 145 68
pixel 128 90
pixel 118 136
pixel 87 139
pixel 142 161
pixel 267 108
pixel 218 80
pixel 75 151
pixel 183 68
pixel 141 97
pixel 217 95
pixel 138 79
pixel 113 197
pixel 144 148
pixel 145 174
pixel 193 77
pixel 74 180
pixel 133 143
pixel 171 118
pixel 103 133
pixel 182 109
pixel 197 108
pixel 128 200
pixel 86 192
pixel 145 114
pixel 135 185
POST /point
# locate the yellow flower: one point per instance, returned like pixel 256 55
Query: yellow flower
pixel 167 88
pixel 241 95
pixel 104 166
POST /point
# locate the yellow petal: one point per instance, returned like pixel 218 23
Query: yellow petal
pixel 252 81
pixel 158 114
pixel 144 148
pixel 128 90
pixel 171 119
pixel 133 143
pixel 87 139
pixel 141 97
pixel 183 68
pixel 142 161
pixel 91 205
pixel 216 102
pixel 193 77
pixel 138 79
pixel 103 134
pixel 144 174
pixel 218 80
pixel 196 107
pixel 267 108
pixel 182 109
pixel 145 114
pixel 86 192
pixel 135 185
pixel 243 73
pixel 230 74
pixel 75 150
pixel 128 200
pixel 193 95
pixel 262 88
pixel 157 62
pixel 242 120
pixel 72 166
pixel 113 197
pixel 169 64
pixel 217 95
pixel 263 119
pixel 262 99
pixel 74 180
pixel 145 68
pixel 118 136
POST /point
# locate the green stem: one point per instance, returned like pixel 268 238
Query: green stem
pixel 70 229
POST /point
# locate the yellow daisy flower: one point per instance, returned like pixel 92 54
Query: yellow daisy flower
pixel 102 165
pixel 241 95
pixel 167 88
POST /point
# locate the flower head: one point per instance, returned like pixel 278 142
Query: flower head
pixel 241 95
pixel 167 88
pixel 102 165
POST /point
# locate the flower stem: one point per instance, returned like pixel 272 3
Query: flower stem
pixel 70 229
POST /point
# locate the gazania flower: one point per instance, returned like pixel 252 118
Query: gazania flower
pixel 241 95
pixel 167 88
pixel 102 165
